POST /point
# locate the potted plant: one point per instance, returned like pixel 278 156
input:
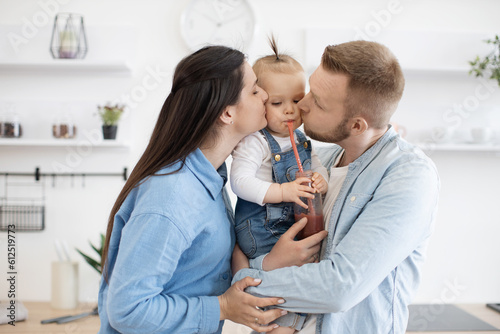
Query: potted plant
pixel 110 115
pixel 489 64
pixel 94 263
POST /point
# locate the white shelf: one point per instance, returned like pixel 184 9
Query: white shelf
pixel 21 142
pixel 437 71
pixel 459 147
pixel 80 66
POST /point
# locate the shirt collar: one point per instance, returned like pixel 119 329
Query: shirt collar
pixel 330 155
pixel 372 151
pixel 213 180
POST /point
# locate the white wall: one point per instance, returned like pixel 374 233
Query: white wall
pixel 464 253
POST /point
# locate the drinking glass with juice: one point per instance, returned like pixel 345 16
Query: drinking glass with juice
pixel 314 212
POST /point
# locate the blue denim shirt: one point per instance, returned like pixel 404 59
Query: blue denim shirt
pixel 378 233
pixel 169 255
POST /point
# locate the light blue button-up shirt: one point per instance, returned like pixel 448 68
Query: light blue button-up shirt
pixel 169 255
pixel 378 233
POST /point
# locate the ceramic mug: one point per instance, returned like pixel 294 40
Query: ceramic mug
pixel 442 134
pixel 481 135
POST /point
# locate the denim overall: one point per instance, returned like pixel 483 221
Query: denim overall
pixel 258 227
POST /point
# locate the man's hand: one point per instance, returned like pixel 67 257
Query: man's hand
pixel 288 252
pixel 243 308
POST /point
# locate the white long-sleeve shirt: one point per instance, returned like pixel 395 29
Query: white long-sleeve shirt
pixel 251 169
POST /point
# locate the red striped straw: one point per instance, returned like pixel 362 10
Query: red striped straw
pixel 292 139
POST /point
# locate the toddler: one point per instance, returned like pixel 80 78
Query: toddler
pixel 264 165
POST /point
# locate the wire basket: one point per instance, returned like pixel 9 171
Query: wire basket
pixel 22 217
pixel 19 212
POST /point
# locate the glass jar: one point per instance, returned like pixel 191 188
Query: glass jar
pixel 314 212
pixel 1 124
pixel 11 126
pixel 63 127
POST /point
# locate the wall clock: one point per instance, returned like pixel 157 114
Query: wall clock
pixel 224 22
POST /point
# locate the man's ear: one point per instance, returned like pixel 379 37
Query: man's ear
pixel 227 116
pixel 358 125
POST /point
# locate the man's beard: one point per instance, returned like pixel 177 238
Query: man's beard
pixel 338 134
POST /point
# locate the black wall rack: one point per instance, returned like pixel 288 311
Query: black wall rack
pixel 37 174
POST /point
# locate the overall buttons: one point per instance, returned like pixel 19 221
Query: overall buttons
pixel 305 145
pixel 277 157
pixel 225 276
pixel 353 198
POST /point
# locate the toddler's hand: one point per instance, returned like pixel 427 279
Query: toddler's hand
pixel 319 183
pixel 293 191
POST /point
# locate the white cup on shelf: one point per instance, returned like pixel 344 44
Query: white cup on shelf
pixel 481 135
pixel 442 134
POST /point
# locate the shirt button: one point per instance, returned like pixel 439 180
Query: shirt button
pixel 277 157
pixel 353 198
pixel 225 276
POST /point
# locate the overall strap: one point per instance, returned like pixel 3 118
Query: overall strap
pixel 273 144
pixel 274 147
pixel 300 136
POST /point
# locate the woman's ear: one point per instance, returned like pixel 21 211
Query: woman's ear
pixel 227 116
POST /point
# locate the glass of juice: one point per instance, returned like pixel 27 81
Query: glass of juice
pixel 314 212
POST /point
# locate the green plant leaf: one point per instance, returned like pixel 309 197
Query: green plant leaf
pixel 93 263
pixel 489 63
pixel 110 114
pixel 96 250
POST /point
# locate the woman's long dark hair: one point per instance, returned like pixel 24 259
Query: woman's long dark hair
pixel 204 84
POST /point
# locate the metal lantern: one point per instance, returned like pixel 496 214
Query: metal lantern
pixel 68 37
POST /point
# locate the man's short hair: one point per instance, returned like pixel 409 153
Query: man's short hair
pixel 376 81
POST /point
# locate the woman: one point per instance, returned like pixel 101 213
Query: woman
pixel 170 236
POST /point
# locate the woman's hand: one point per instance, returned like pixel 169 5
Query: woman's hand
pixel 294 190
pixel 239 260
pixel 289 252
pixel 319 183
pixel 243 308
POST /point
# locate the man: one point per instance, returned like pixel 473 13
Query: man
pixel 379 208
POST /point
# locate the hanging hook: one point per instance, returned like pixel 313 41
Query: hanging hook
pixel 37 174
